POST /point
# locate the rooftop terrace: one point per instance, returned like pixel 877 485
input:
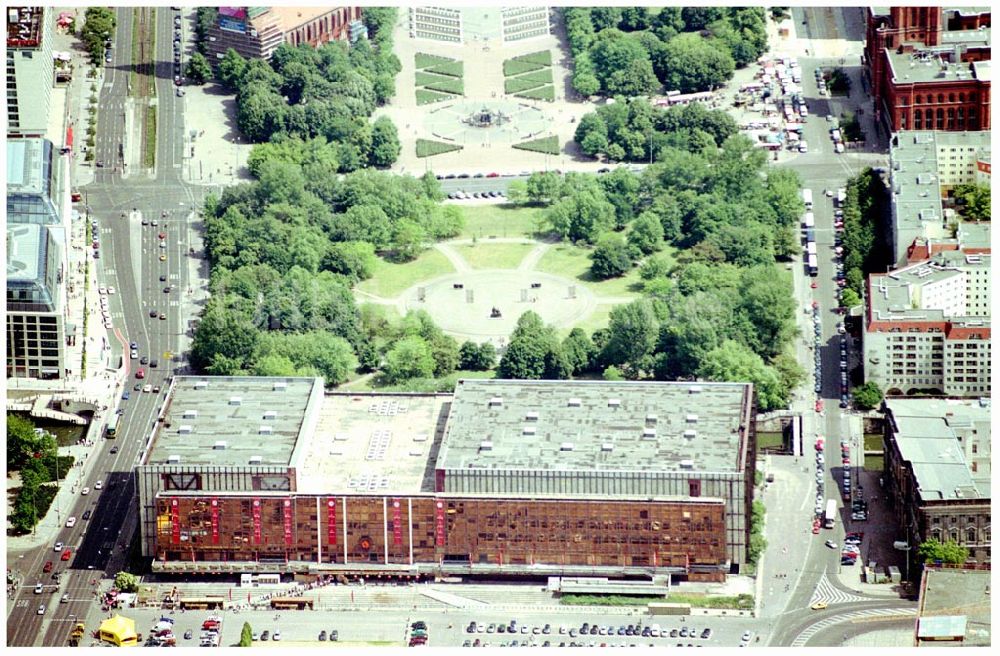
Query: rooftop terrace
pixel 594 426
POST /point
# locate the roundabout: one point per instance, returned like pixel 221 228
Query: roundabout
pixel 487 121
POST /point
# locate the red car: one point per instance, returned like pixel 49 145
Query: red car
pixel 48 566
pixel 66 555
pixel 819 405
pixel 493 175
pixel 814 285
pixel 819 441
pixel 141 373
pixel 162 235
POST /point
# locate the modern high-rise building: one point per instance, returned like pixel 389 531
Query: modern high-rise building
pixel 255 32
pixel 929 68
pixel 30 71
pixel 37 260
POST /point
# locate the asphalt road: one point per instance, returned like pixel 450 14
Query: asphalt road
pixel 130 262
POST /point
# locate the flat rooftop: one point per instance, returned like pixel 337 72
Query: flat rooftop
pixel 229 420
pixel 26 166
pixel 928 433
pixel 24 26
pixel 954 593
pixel 27 248
pixel 372 443
pixel 898 294
pixel 596 425
pixel 924 66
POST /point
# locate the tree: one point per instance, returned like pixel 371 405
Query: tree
pixel 533 352
pixel 868 396
pixel 99 26
pixel 767 306
pixel 231 69
pixel 633 331
pixel 411 357
pixel 690 63
pixel 354 259
pixel 647 233
pixel 542 186
pixel 581 216
pixel 223 332
pixel 246 635
pixel 849 298
pixel 385 143
pixel 612 373
pixel 481 357
pixel 126 582
pixel 611 258
pixel 951 552
pixel 22 443
pixel 198 70
pixel 976 201
pixel 734 362
pixel 579 351
pixel 407 240
pixel 517 192
pixel 622 64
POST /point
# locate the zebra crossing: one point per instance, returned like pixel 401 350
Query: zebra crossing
pixel 803 638
pixel 826 591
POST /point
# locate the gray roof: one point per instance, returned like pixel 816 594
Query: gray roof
pixel 896 295
pixel 26 248
pixel 25 169
pixel 227 420
pixel 596 425
pixel 924 67
pixel 961 593
pixel 928 434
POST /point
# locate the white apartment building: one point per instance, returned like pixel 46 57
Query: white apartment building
pixel 924 167
pixel 928 326
pixel 30 73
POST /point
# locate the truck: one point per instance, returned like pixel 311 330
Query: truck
pixel 813 265
pixel 841 196
pixel 807 198
pixel 809 220
pixel 74 636
pixel 811 248
pixel 830 516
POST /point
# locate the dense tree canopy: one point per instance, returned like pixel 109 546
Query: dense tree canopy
pixel 98 26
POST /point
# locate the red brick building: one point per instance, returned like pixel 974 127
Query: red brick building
pixel 255 32
pixel 929 68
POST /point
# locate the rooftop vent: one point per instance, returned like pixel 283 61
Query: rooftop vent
pixel 279 385
pixel 566 446
pixel 574 403
pixel 256 460
pixel 201 384
pixel 692 419
pixel 184 429
pixel 648 433
pixel 190 414
pixel 614 403
pixel 694 389
pixel 486 445
pixel 690 433
pixel 265 430
pixel 651 419
pixel 341 437
pixel 528 430
pixel 531 416
pixel 173 460
pixel 607 447
pixel 235 400
pixel 415 452
pixel 219 445
pixel 270 414
pixel 496 401
pixel 686 464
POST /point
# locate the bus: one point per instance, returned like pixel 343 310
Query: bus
pixel 809 220
pixel 807 198
pixel 812 265
pixel 830 517
pixel 112 429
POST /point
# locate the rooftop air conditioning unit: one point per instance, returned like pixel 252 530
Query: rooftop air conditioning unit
pixel 279 385
pixel 566 446
pixel 686 464
pixel 690 434
pixel 574 403
pixel 235 400
pixel 528 430
pixel 256 460
pixel 265 430
pixel 201 384
pixel 692 419
pixel 173 460
pixel 184 429
pixel 651 419
pixel 496 401
pixel 607 447
pixel 190 414
pixel 219 445
pixel 694 389
pixel 531 416
pixel 614 403
pixel 648 433
pixel 270 414
pixel 486 445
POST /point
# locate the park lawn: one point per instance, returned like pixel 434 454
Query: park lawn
pixel 429 148
pixel 483 221
pixel 452 68
pixel 574 262
pixel 547 92
pixel 392 279
pixel 486 255
pixel 424 60
pixel 598 319
pixel 424 96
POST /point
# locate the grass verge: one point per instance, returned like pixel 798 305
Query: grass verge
pixel 517 67
pixel 149 143
pixel 484 255
pixel 452 68
pixel 739 602
pixel 390 279
pixel 609 600
pixel 874 463
pixel 430 148
pixel 548 145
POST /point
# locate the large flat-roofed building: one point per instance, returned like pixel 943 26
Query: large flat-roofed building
pixel 954 608
pixel 924 167
pixel 928 326
pixel 937 470
pixel 255 32
pixel 30 71
pixel 616 479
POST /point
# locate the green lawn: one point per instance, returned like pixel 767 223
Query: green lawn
pixel 874 463
pixel 547 92
pixel 425 97
pixel 391 279
pixel 516 67
pixel 482 221
pixel 770 440
pixel 429 148
pixel 423 60
pixel 597 319
pixel 453 68
pixel 548 145
pixel 484 255
pixel 873 442
pixel 574 262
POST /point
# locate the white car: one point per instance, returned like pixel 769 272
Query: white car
pixel 276 636
pixel 147 388
pixel 98 485
pixel 71 522
pixel 747 635
pixel 111 290
pixel 38 588
pixel 85 491
pixel 57 546
pixel 41 609
pixel 103 291
pixel 838 147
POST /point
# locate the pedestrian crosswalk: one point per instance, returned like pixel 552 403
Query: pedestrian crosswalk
pixel 803 638
pixel 826 591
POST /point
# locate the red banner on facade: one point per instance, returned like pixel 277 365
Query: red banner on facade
pixel 331 521
pixel 287 508
pixel 439 511
pixel 256 521
pixel 175 522
pixel 215 521
pixel 397 523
